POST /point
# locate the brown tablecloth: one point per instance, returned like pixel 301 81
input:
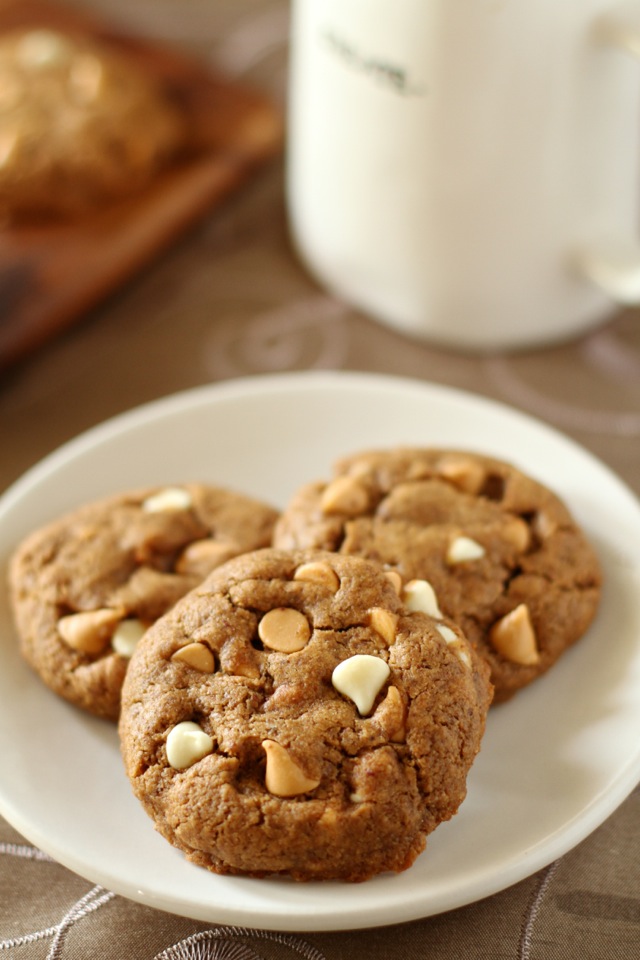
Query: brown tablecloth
pixel 231 299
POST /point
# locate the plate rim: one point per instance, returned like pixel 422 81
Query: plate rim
pixel 192 397
pixel 179 403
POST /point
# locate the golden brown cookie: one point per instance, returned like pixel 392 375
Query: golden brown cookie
pixel 80 124
pixel 506 559
pixel 292 715
pixel 85 587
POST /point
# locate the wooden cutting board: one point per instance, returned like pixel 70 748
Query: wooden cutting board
pixel 51 274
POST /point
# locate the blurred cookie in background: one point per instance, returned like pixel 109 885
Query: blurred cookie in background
pixel 80 125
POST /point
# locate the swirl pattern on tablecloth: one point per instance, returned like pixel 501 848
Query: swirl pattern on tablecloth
pixel 229 943
pixel 311 334
pixel 603 356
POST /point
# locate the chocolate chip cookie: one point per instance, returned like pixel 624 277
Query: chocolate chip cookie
pixel 295 715
pixel 502 552
pixel 86 587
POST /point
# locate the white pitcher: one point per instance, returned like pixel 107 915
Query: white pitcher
pixel 468 171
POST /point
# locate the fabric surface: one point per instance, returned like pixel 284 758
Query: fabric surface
pixel 231 299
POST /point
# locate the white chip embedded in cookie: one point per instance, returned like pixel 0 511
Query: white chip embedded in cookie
pixel 472 537
pixel 342 725
pixel 85 588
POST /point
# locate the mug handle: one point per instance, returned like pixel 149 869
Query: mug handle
pixel 614 265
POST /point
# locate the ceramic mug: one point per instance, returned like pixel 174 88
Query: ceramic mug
pixel 468 170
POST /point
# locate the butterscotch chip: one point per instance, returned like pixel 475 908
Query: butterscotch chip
pixel 465 472
pixel 318 573
pixel 196 655
pixel 385 623
pixel 394 578
pixel 345 495
pixel 392 715
pixel 202 556
pixel 241 663
pixel 90 631
pixel 334 762
pixel 483 536
pixel 514 638
pixel 283 776
pixel 85 587
pixel 518 533
pixel 284 629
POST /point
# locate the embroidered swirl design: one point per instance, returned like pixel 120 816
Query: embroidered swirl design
pixel 603 356
pixel 91 901
pixel 228 943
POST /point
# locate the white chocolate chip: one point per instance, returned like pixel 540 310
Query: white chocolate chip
pixel 384 623
pixel 284 629
pixel 345 495
pixel 463 655
pixel 420 597
pixel 514 637
pixel 361 678
pixel 283 776
pixel 447 634
pixel 197 656
pixel 169 499
pixel 186 744
pixel 126 636
pixel 90 630
pixel 318 572
pixel 463 550
pixel 452 640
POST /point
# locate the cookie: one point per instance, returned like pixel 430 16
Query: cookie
pixel 80 125
pixel 85 587
pixel 293 716
pixel 506 559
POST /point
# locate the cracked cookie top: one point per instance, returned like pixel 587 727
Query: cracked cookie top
pixel 299 713
pixel 503 553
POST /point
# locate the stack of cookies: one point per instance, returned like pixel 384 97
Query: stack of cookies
pixel 304 694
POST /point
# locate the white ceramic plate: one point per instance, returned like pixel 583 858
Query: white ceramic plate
pixel 556 761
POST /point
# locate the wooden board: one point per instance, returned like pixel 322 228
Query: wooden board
pixel 51 274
